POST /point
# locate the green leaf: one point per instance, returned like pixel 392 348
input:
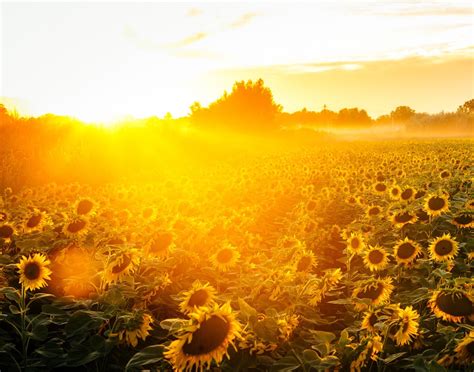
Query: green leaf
pixel 39 332
pixel 392 357
pixel 246 310
pixel 310 356
pixel 149 355
pixel 323 337
pixel 173 325
pixel 52 310
pixel 286 364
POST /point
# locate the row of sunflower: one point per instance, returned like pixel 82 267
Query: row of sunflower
pixel 350 257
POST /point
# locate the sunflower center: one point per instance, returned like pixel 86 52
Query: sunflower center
pixel 456 304
pixel 436 203
pixel 210 335
pixel 303 263
pixel 374 211
pixel 76 226
pixel 407 194
pixel 376 257
pixel 422 215
pixel 443 247
pixel 6 231
pixel 355 243
pixel 380 187
pixel 32 271
pixel 406 250
pixel 224 255
pixel 371 292
pixel 444 174
pixel 33 221
pixel 84 206
pixel 463 219
pixel 372 319
pixel 403 217
pixel 125 262
pixel 198 298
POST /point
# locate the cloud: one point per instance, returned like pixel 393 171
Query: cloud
pixel 243 20
pixel 194 12
pixel 188 40
pixel 425 12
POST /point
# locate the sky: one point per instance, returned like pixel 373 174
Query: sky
pixel 99 61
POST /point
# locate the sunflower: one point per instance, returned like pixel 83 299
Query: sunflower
pixel 35 221
pixel 34 271
pixel 395 192
pixel 84 206
pixel 4 216
pixel 465 349
pixel 6 232
pixel 305 261
pixel 444 174
pixel 76 227
pixel 369 321
pixel 135 327
pixel 408 194
pixel 451 305
pixel 463 221
pixel 406 251
pixel 443 248
pixel 225 258
pixel 377 290
pixel 469 204
pixel 355 243
pixel 402 218
pixel 436 204
pixel 198 296
pixel 205 339
pixel 160 244
pixel 379 187
pixel 373 210
pixel 121 265
pixel 406 326
pixel 376 258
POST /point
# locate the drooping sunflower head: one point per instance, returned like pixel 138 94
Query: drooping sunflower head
pixel 355 243
pixel 225 258
pixel 198 296
pixel 406 326
pixel 6 232
pixel 34 271
pixel 443 248
pixel 465 350
pixel 160 244
pixel 463 220
pixel 436 204
pixel 121 265
pixel 376 290
pixel 305 261
pixel 370 319
pixel 84 206
pixel 76 227
pixel 133 327
pixel 402 217
pixel 452 305
pixel 376 258
pixel 406 251
pixel 205 339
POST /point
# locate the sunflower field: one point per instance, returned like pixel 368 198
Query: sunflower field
pixel 352 256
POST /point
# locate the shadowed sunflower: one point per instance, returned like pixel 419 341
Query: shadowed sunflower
pixel 35 221
pixel 395 192
pixel 6 232
pixel 355 243
pixel 198 296
pixel 376 258
pixel 463 221
pixel 436 204
pixel 34 271
pixel 370 320
pixel 225 258
pixel 406 326
pixel 408 194
pixel 377 290
pixel 443 248
pixel 134 328
pixel 380 187
pixel 205 339
pixel 465 350
pixel 121 265
pixel 406 251
pixel 451 305
pixel 84 206
pixel 373 210
pixel 402 218
pixel 76 228
pixel 305 261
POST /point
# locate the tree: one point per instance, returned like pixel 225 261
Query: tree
pixel 248 107
pixel 353 117
pixel 467 107
pixel 402 114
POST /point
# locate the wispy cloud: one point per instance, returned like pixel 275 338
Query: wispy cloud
pixel 188 40
pixel 243 20
pixel 425 11
pixel 194 12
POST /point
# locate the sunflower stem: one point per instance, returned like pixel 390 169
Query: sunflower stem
pixel 24 337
